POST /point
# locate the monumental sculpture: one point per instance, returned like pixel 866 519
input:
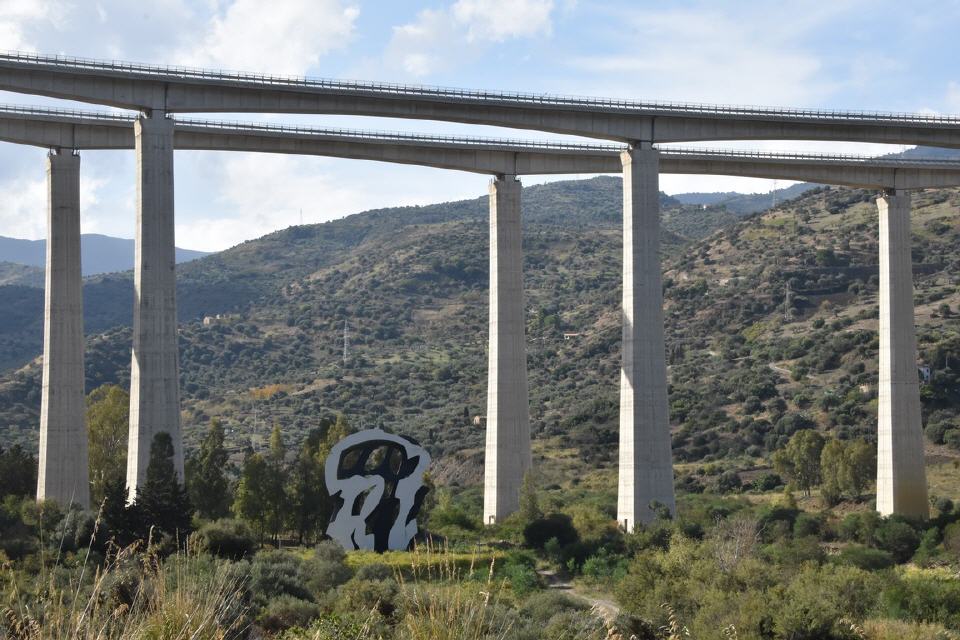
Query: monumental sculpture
pixel 376 480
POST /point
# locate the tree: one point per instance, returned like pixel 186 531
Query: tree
pixel 275 487
pixel 861 467
pixel 251 503
pixel 162 501
pixel 340 430
pixel 207 479
pixel 529 504
pixel 800 459
pixel 108 411
pixel 18 472
pixel 121 520
pixel 846 468
pixel 833 471
pixel 310 504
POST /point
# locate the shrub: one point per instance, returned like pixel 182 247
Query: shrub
pixel 936 430
pixel 540 607
pixel 368 595
pixel 226 538
pixel 729 482
pixel 374 571
pixel 898 538
pixel 767 482
pixel 576 625
pixel 605 566
pixel 327 568
pixel 284 612
pixel 952 439
pixel 276 573
pixel 923 598
pixel 807 525
pixel 866 558
pixel 556 525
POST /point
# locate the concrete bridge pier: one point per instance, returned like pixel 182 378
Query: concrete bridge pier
pixel 154 372
pixel 63 474
pixel 507 456
pixel 646 469
pixel 901 474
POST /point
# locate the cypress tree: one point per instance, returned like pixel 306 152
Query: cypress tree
pixel 207 478
pixel 163 502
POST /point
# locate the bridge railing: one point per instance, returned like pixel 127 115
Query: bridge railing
pixel 68 113
pixel 398 136
pixel 526 98
pixel 846 158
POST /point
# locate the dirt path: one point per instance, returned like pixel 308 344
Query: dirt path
pixel 600 603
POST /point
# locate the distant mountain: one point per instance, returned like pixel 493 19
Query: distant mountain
pixel 101 254
pixel 20 275
pixel 744 203
pixel 929 153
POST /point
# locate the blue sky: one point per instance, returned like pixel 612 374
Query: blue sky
pixel 840 54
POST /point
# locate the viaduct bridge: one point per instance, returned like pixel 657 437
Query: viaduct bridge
pixel 645 470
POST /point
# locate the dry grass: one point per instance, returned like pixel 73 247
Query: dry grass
pixel 134 595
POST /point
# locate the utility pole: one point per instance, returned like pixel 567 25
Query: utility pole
pixel 346 342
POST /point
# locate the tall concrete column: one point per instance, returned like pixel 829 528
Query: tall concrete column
pixel 901 475
pixel 63 474
pixel 646 469
pixel 508 420
pixel 154 373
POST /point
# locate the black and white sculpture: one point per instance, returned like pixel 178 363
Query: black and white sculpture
pixel 376 480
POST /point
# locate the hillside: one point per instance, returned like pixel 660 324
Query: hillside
pixel 20 274
pixel 771 326
pixel 101 254
pixel 234 279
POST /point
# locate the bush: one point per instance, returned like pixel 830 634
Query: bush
pixel 898 538
pixel 729 482
pixel 936 430
pixel 866 558
pixel 556 525
pixel 374 571
pixel 226 538
pixel 924 598
pixel 540 607
pixel 327 568
pixel 285 611
pixel 574 624
pixel 604 566
pixel 952 439
pixel 275 573
pixel 367 595
pixel 807 525
pixel 767 482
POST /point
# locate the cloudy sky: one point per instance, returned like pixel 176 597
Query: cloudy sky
pixel 854 54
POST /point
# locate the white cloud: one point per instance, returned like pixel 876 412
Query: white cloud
pixel 443 38
pixel 23 214
pixel 280 37
pixel 499 20
pixel 710 55
pixel 20 19
pixel 953 96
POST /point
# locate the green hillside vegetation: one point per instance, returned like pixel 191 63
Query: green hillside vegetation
pixel 772 349
pixel 771 327
pixel 20 275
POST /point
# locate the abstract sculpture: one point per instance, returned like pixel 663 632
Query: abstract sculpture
pixel 376 479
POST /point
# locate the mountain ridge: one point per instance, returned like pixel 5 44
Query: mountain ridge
pixel 100 253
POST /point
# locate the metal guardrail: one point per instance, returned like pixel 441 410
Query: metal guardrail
pixel 119 119
pixel 523 98
pixel 399 136
pixel 845 158
pixel 67 113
